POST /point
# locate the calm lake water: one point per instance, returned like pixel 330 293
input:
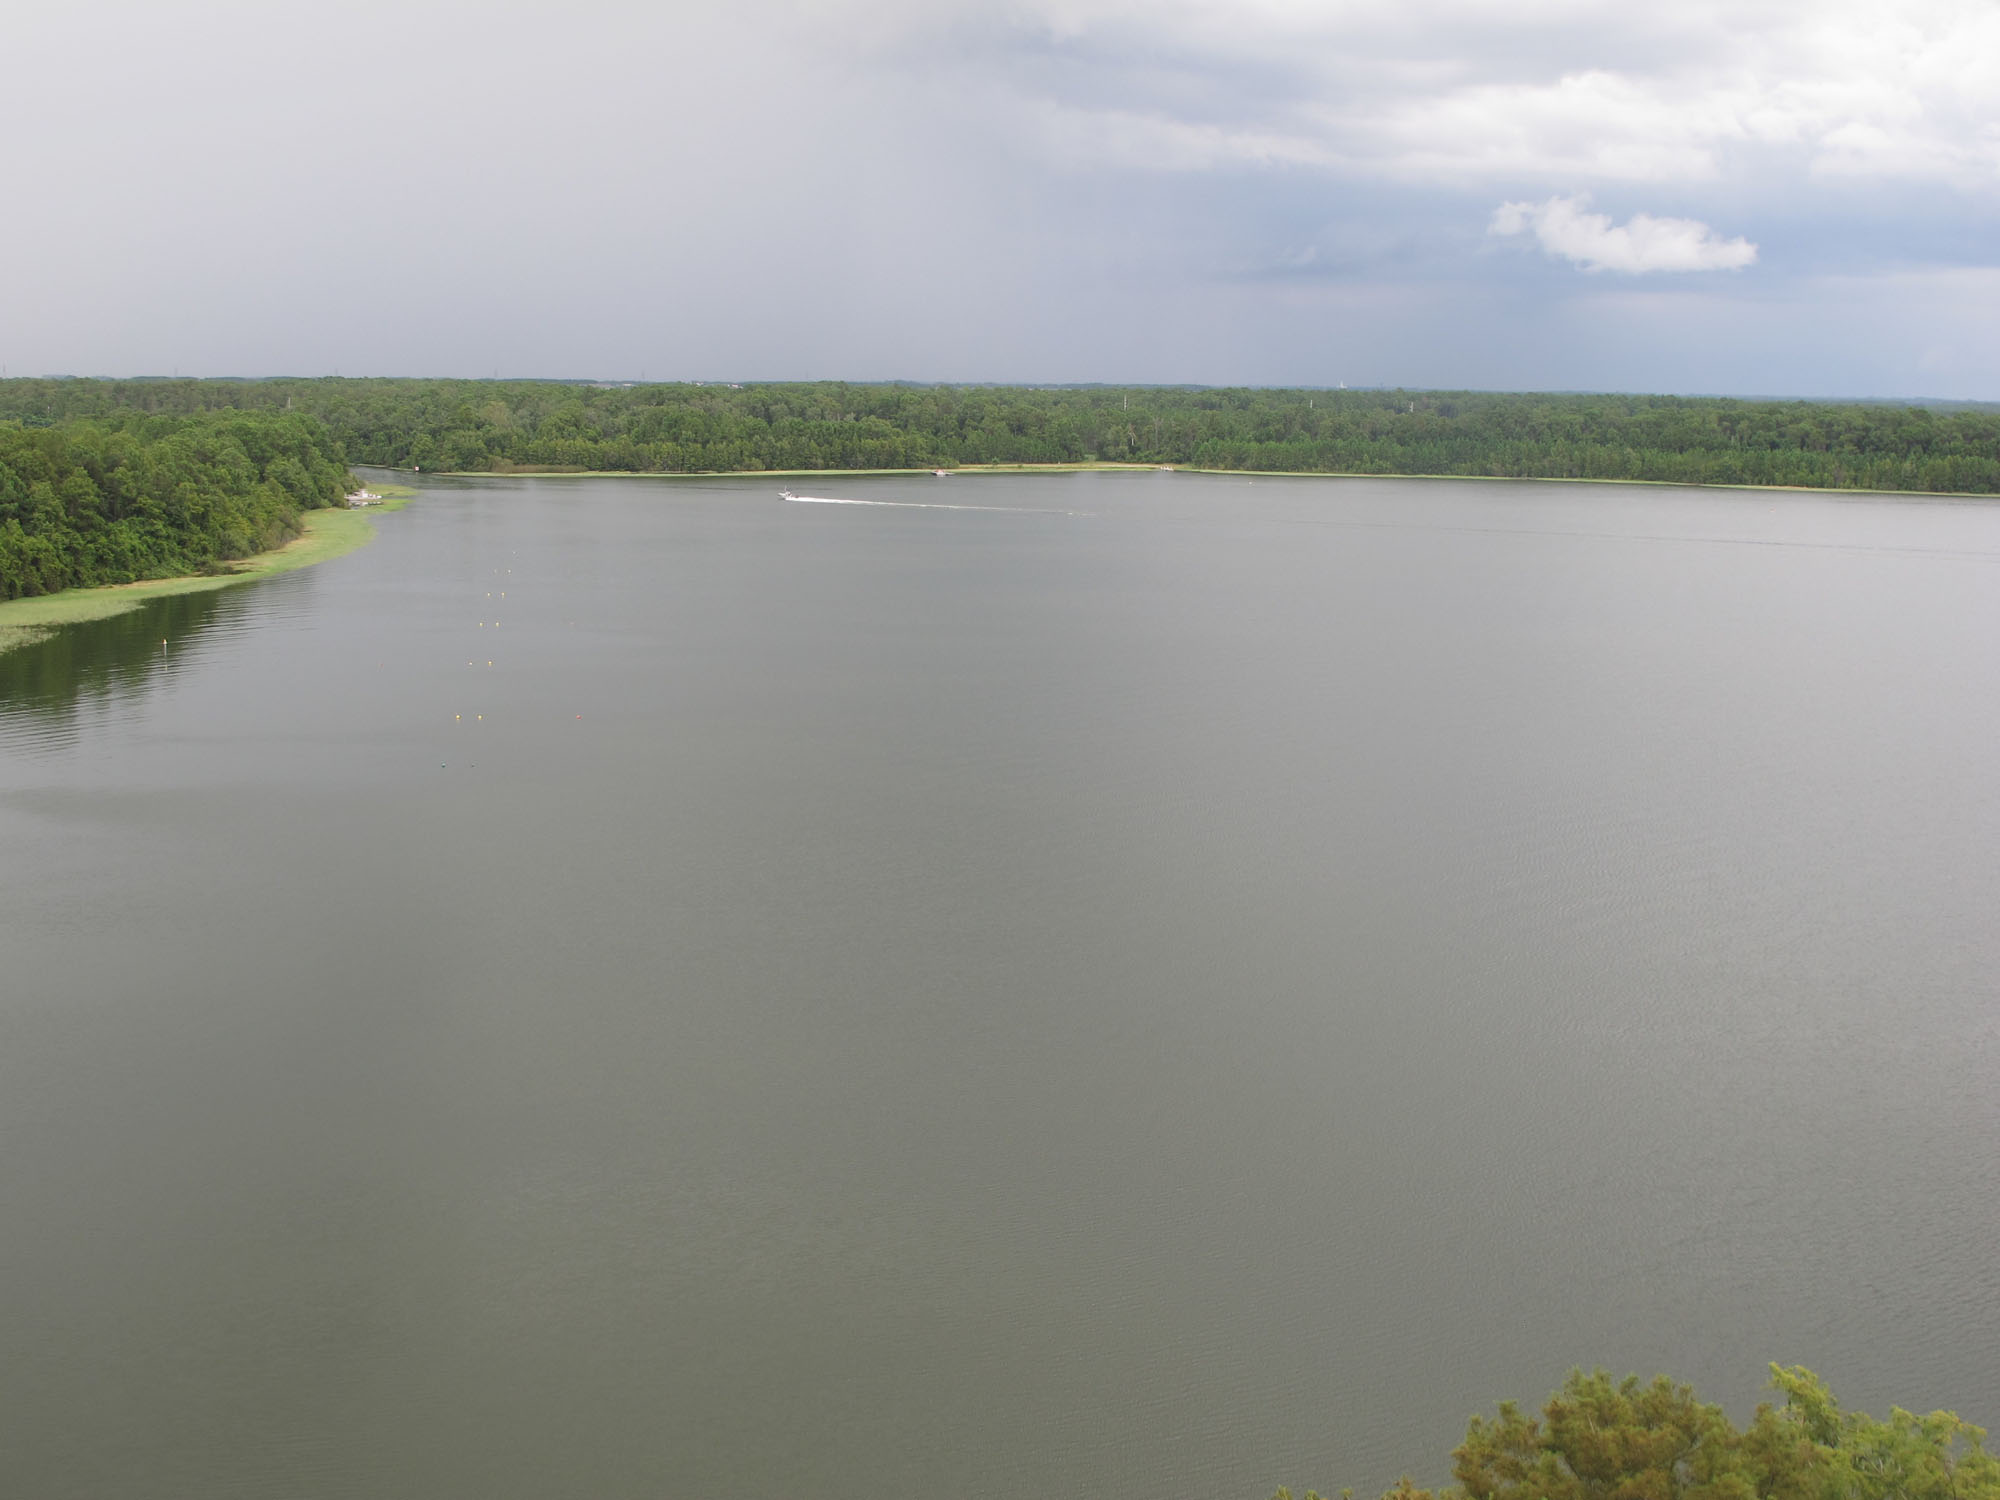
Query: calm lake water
pixel 1149 986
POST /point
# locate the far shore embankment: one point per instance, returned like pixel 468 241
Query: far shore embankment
pixel 530 472
pixel 323 535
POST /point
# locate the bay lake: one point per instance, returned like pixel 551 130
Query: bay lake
pixel 1115 984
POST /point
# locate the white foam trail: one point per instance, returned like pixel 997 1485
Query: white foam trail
pixel 1019 510
pixel 831 501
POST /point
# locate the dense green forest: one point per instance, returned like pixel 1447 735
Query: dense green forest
pixel 1600 1440
pixel 500 426
pixel 121 495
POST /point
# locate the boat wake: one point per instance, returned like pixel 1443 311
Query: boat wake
pixel 1019 510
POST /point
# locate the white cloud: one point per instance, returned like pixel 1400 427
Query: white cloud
pixel 1152 142
pixel 1643 243
pixel 1471 91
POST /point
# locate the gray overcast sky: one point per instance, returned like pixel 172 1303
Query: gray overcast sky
pixel 1747 196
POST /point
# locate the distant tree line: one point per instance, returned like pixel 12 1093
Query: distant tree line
pixel 1600 1440
pixel 121 495
pixel 509 426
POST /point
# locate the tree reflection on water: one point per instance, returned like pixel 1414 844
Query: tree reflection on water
pixel 98 663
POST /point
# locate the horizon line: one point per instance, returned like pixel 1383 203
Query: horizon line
pixel 603 383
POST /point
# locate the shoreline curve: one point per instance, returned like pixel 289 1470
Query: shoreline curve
pixel 324 535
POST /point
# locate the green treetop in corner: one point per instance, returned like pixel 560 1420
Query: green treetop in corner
pixel 120 495
pixel 1602 1440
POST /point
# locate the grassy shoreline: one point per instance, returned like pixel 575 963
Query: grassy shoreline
pixel 325 534
pixel 1132 468
pixel 1076 468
